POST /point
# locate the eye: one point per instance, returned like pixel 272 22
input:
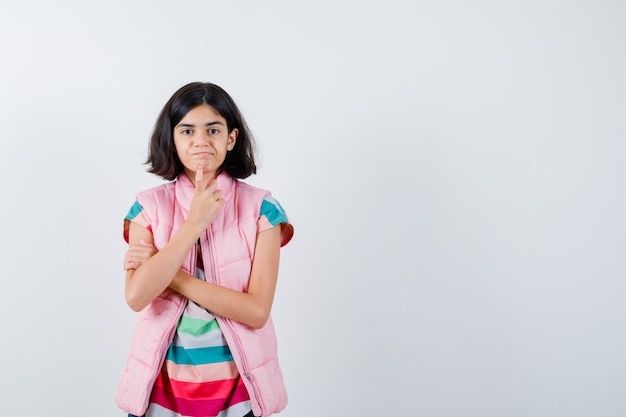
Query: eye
pixel 186 132
pixel 214 131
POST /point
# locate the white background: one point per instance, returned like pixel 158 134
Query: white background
pixel 454 170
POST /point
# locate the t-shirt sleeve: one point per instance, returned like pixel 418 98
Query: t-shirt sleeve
pixel 138 215
pixel 273 214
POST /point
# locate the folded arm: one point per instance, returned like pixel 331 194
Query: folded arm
pixel 252 307
pixel 150 277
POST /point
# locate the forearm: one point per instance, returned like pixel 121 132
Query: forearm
pixel 243 307
pixel 150 279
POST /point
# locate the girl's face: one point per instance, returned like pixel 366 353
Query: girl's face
pixel 202 140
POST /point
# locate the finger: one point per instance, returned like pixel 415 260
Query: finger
pixel 130 265
pixel 199 175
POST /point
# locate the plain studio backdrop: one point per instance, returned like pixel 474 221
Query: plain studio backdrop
pixel 454 171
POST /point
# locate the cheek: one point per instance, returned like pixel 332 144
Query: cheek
pixel 182 156
pixel 179 147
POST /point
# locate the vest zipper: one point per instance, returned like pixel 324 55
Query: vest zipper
pixel 244 363
pixel 245 372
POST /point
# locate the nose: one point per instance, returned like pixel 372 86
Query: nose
pixel 201 138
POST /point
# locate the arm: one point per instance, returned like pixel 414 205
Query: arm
pixel 145 282
pixel 251 308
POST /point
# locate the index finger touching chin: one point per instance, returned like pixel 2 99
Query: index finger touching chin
pixel 199 174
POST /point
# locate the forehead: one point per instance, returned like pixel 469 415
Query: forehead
pixel 202 114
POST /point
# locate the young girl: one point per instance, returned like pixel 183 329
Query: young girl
pixel 201 270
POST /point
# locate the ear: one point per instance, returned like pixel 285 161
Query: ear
pixel 232 138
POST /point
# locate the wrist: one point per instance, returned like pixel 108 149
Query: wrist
pixel 190 232
pixel 175 283
pixel 195 228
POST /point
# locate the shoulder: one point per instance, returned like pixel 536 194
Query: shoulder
pixel 153 195
pixel 247 198
pixel 162 189
pixel 247 189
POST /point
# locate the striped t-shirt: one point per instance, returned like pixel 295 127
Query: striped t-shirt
pixel 198 377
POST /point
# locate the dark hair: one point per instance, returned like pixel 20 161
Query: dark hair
pixel 162 156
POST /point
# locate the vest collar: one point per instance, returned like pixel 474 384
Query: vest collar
pixel 185 188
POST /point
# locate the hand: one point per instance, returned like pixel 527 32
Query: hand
pixel 206 202
pixel 137 254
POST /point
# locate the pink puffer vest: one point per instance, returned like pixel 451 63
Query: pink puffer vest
pixel 230 241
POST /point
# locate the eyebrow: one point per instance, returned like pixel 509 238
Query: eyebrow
pixel 207 124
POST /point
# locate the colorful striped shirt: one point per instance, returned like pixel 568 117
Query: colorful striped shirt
pixel 199 377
